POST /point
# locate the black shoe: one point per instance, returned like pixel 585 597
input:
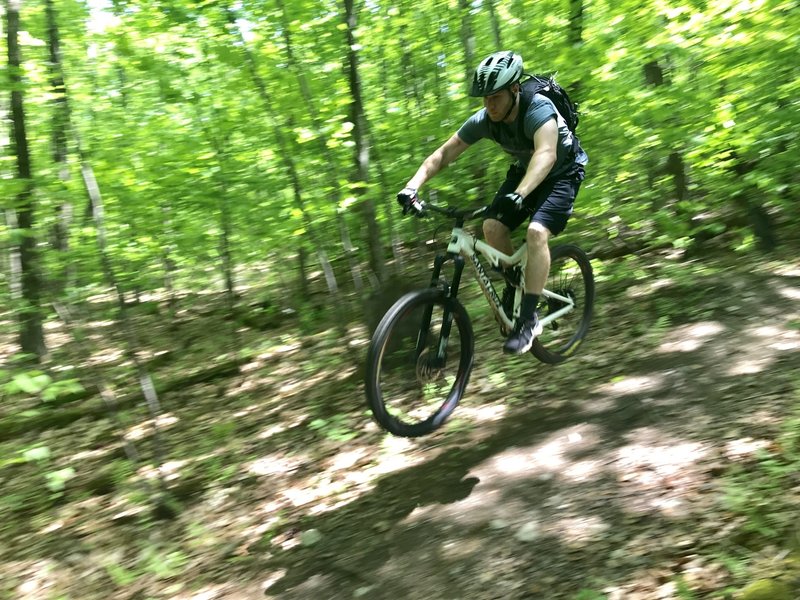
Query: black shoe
pixel 522 336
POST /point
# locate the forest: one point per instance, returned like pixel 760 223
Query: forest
pixel 200 234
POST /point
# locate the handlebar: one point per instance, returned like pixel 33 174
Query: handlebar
pixel 459 214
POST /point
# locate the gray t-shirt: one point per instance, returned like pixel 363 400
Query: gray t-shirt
pixel 508 136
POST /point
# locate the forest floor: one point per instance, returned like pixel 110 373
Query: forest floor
pixel 660 462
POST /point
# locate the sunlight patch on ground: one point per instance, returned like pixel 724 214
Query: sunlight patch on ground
pixel 759 356
pixel 631 385
pixel 145 428
pixel 396 454
pixel 168 471
pixel 749 366
pixel 689 338
pixel 551 456
pixel 782 339
pixel 273 430
pixel 279 349
pixel 792 293
pixel 92 454
pixel 578 530
pixel 542 462
pixel 648 288
pixel 658 476
pixel 274 464
pixel 101 324
pixel 462 549
pixel 346 459
pixel 482 504
pixel 40 580
pixel 346 478
pixel 207 593
pixel 247 410
pixel 584 470
pixel 106 356
pixel 54 333
pixel 296 386
pixel 744 447
pixel 662 460
pixel 483 413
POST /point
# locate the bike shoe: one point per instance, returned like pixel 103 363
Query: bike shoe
pixel 522 336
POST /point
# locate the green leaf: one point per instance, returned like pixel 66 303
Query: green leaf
pixel 35 454
pixel 61 388
pixel 31 383
pixel 57 480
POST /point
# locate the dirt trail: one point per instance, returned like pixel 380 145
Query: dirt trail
pixel 599 478
pixel 607 481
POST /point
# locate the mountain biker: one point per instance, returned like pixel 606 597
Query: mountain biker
pixel 541 185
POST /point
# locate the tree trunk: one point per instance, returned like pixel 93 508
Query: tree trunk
pixel 409 72
pixel 498 42
pixel 302 266
pixel 361 137
pixel 14 265
pixel 305 92
pixel 59 142
pixel 467 41
pixel 286 153
pixel 575 22
pixel 31 334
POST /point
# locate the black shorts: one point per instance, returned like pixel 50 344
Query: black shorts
pixel 549 204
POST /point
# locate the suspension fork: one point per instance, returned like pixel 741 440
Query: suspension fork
pixel 447 317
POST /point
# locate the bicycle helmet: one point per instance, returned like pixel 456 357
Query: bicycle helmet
pixel 498 71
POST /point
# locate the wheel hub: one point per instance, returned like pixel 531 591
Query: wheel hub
pixel 426 370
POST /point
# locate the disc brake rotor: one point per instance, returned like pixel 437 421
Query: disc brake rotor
pixel 426 372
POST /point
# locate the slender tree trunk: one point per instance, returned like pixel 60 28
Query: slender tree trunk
pixel 59 142
pixel 286 153
pixel 223 202
pixel 168 263
pixel 386 192
pixel 467 41
pixel 305 92
pixel 361 137
pixel 498 42
pixel 132 342
pixel 14 264
pixel 302 269
pixel 98 214
pixel 412 92
pixel 575 36
pixel 31 334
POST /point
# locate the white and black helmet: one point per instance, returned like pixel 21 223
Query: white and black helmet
pixel 496 72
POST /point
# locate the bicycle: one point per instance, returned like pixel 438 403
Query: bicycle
pixel 409 388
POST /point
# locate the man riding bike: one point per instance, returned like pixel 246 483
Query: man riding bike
pixel 540 186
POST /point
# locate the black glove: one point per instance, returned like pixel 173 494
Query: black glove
pixel 408 199
pixel 506 204
pixel 514 199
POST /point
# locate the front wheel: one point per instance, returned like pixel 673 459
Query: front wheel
pixel 418 362
pixel 571 279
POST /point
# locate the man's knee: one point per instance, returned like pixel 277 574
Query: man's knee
pixel 537 234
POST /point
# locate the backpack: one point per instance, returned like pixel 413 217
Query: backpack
pixel 546 86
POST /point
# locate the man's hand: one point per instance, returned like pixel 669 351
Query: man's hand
pixel 408 199
pixel 514 199
pixel 507 203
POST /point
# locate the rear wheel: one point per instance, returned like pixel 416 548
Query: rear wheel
pixel 418 362
pixel 571 278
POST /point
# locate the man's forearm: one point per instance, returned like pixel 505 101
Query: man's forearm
pixel 538 169
pixel 429 167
